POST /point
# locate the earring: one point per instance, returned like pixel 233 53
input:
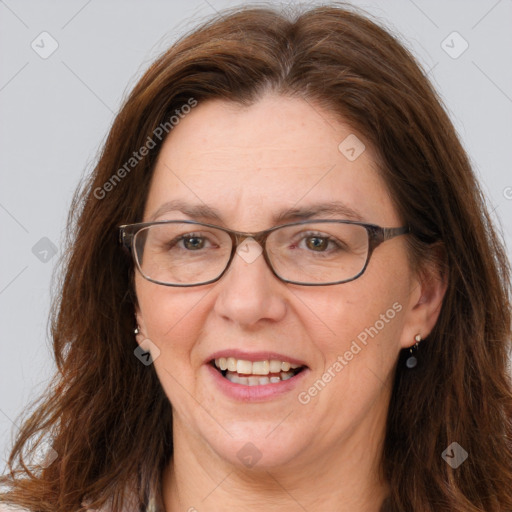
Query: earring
pixel 411 361
pixel 136 330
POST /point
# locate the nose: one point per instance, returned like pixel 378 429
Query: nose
pixel 249 291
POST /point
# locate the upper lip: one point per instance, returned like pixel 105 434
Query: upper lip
pixel 254 356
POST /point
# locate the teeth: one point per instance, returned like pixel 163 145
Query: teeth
pixel 233 377
pixel 275 366
pixel 253 380
pixel 260 367
pixel 244 367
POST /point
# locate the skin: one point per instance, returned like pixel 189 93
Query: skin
pixel 250 163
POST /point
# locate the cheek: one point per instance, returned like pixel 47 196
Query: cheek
pixel 361 320
pixel 171 319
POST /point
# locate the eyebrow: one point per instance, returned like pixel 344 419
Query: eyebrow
pixel 209 213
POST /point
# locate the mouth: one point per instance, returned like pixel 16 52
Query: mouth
pixel 256 373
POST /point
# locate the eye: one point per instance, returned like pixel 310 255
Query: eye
pixel 189 241
pixel 193 242
pixel 319 242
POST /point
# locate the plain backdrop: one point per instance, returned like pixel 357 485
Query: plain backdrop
pixel 65 67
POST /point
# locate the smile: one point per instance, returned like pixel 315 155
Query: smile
pixel 255 373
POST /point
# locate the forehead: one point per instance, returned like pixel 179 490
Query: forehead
pixel 251 163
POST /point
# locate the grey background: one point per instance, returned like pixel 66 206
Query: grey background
pixel 56 112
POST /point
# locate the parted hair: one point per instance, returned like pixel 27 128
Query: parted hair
pixel 106 414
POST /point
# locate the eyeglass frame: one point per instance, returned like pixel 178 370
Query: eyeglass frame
pixel 376 236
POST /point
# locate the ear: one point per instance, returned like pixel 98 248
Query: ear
pixel 140 325
pixel 428 289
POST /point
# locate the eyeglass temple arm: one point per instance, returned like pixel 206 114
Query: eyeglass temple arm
pixel 125 237
pixel 388 233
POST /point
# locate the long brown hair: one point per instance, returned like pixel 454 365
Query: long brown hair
pixel 107 415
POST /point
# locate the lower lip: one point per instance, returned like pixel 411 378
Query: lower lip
pixel 256 393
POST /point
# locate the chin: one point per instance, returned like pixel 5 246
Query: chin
pixel 258 450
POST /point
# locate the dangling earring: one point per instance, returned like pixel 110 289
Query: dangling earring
pixel 411 361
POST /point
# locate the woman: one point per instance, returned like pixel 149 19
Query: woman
pixel 283 291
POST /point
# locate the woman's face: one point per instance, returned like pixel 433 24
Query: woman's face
pixel 250 164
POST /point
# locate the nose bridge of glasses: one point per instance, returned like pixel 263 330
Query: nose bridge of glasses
pixel 249 246
pixel 240 238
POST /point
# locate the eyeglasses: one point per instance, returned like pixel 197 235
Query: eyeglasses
pixel 308 253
